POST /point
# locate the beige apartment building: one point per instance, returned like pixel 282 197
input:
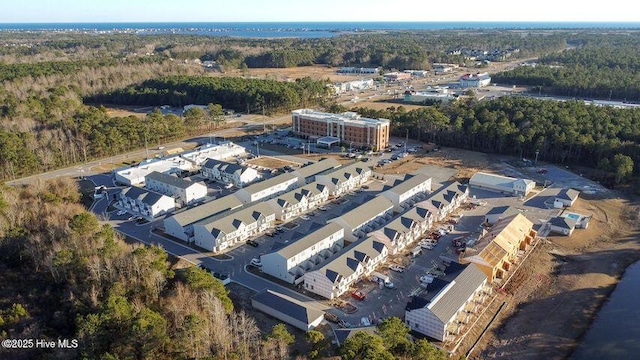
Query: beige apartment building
pixel 349 127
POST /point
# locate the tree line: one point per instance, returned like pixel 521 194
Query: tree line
pixel 571 132
pixel 239 94
pixel 594 68
pixel 66 275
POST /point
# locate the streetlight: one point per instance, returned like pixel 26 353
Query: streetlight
pixel 537 152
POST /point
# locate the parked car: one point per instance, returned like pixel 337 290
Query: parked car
pixel 388 284
pixel 322 208
pixel 344 324
pixel 426 279
pixel 270 234
pixel 256 262
pixel 365 187
pixel 358 295
pixel 542 171
pixel 304 217
pixel 365 321
pixel 280 228
pixel 252 243
pixel 397 268
pixel 426 246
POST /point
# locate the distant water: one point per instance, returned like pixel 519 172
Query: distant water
pixel 615 334
pixel 299 29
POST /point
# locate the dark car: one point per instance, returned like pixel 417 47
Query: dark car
pixel 270 234
pixel 252 243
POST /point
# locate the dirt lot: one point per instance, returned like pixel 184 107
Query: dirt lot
pixel 271 162
pixel 465 162
pixel 555 295
pixel 123 111
pixel 316 72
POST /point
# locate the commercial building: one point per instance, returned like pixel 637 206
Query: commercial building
pixel 364 218
pixel 229 173
pixel 180 225
pixel 417 73
pixel 135 175
pixel 219 233
pixel 405 229
pixel 447 305
pixel 502 184
pixel 349 127
pixel 396 76
pixel 475 80
pixel 298 201
pixel 268 188
pixel 358 71
pixel 220 151
pixel 497 252
pixel 307 173
pixel 301 315
pixel 356 262
pixel 429 95
pixel 146 203
pixel 355 85
pixel 344 179
pixel 404 191
pixel 184 192
pixel 290 262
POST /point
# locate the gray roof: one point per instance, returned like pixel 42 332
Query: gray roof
pixel 317 167
pixel 230 221
pixel 206 210
pixel 223 166
pixel 410 182
pixel 402 224
pixel 265 184
pixel 311 239
pixel 288 305
pixel 496 180
pixel 348 261
pixel 457 293
pixel 446 194
pixel 365 212
pixel 503 210
pixel 312 189
pixel 563 222
pixel 568 194
pixel 145 196
pixel 346 172
pixel 169 179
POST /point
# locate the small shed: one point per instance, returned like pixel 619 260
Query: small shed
pixel 287 309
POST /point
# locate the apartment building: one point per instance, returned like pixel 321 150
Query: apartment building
pixel 298 201
pixel 344 179
pixel 219 233
pixel 292 261
pixel 180 225
pixel 357 261
pixel 268 188
pixel 475 80
pixel 184 192
pixel 364 218
pixel 146 203
pixel 496 252
pixel 405 229
pixel 445 200
pixel 502 184
pixel 448 304
pixel 229 173
pixel 405 191
pixel 349 127
pixel 307 173
pixel 220 151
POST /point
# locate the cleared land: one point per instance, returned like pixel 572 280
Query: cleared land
pixel 271 162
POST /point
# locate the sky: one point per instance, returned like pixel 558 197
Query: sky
pixel 48 11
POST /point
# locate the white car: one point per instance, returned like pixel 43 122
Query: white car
pixel 388 284
pixel 397 268
pixel 256 262
pixel 426 246
pixel 304 217
pixel 365 321
pixel 426 279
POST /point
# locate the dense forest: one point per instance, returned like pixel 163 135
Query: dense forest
pixel 570 133
pixel 64 275
pixel 250 95
pixel 597 67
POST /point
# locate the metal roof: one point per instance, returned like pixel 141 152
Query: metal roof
pixel 451 298
pixel 169 179
pixel 310 240
pixel 287 305
pixel 505 182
